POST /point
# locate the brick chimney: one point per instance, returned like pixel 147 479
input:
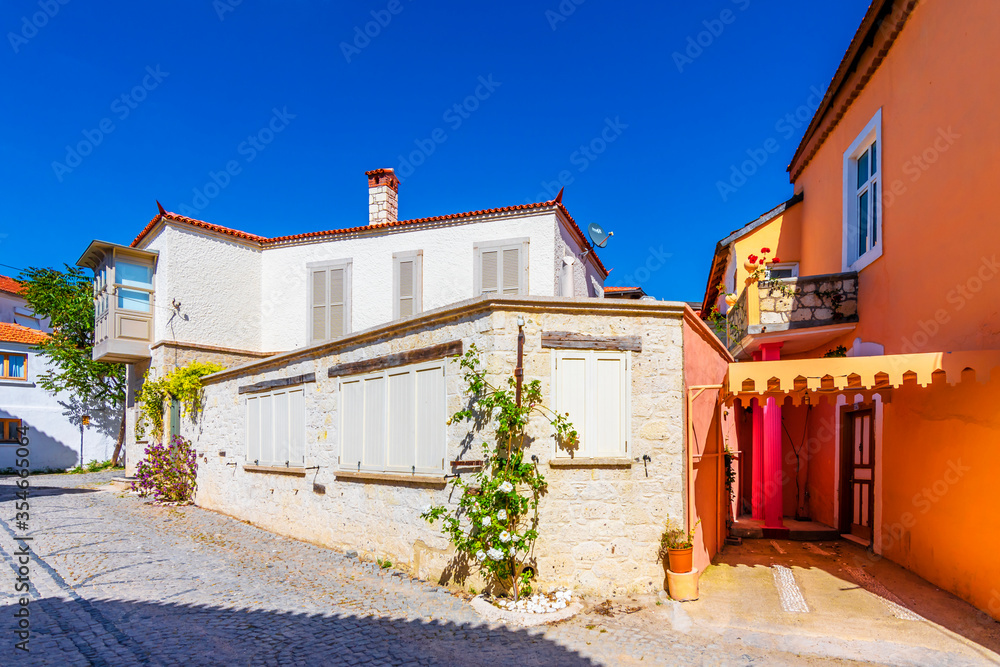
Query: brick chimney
pixel 383 196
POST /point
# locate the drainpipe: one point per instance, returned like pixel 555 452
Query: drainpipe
pixel 519 370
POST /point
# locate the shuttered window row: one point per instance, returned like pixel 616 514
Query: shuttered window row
pixel 394 420
pixel 276 428
pixel 594 388
pixel 502 267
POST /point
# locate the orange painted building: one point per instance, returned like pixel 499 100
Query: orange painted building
pixel 889 253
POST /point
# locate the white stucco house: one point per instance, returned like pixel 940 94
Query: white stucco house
pixel 330 422
pixel 53 421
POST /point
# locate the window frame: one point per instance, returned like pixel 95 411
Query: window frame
pixel 870 135
pixel 5 366
pixel 347 265
pixel 119 286
pixel 5 426
pixel 257 396
pixel 417 257
pixel 793 266
pixel 521 244
pixel 442 447
pixel 585 452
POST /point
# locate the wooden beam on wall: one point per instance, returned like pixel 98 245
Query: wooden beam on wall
pixel 574 341
pixel 279 382
pixel 432 353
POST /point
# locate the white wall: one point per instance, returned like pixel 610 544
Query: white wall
pixel 448 273
pixel 585 274
pixel 216 279
pixel 53 421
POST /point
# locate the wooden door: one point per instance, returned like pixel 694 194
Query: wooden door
pixel 857 496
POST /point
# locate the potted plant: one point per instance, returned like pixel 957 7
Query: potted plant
pixel 676 545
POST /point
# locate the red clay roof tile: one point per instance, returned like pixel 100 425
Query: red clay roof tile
pixel 10 285
pixel 15 333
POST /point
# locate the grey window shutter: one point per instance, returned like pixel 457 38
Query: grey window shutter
pixel 319 305
pixel 406 292
pixel 338 303
pixel 511 271
pixel 490 260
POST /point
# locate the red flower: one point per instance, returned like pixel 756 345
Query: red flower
pixel 765 250
pixel 776 260
pixel 752 259
pixel 762 260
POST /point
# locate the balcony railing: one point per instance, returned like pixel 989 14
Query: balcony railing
pixel 793 303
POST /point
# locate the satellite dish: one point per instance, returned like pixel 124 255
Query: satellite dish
pixel 598 236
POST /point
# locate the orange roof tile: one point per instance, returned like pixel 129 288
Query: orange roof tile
pixel 10 285
pixel 616 288
pixel 263 240
pixel 15 333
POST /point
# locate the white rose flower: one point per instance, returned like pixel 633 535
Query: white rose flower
pixel 502 515
pixel 495 554
pixel 480 555
pixel 506 487
pixel 513 550
pixel 485 522
pixel 505 537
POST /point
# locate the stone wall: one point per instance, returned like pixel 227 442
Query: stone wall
pixel 600 525
pixel 809 301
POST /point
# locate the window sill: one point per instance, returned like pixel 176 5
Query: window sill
pixel 388 478
pixel 278 470
pixel 609 462
pixel 14 382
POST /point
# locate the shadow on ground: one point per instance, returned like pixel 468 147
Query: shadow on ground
pixel 156 633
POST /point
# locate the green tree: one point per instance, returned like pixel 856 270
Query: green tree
pixel 65 298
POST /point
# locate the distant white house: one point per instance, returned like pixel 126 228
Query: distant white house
pixel 53 421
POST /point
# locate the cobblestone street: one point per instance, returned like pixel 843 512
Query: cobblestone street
pixel 117 581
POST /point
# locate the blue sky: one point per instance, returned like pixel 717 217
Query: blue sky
pixel 264 115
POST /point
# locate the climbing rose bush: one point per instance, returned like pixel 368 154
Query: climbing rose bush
pixel 495 523
pixel 167 472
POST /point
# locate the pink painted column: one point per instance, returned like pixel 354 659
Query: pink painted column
pixel 758 459
pixel 773 491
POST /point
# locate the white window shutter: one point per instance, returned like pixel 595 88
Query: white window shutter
pixel 352 435
pixel 297 427
pixel 253 429
pixel 266 430
pixel 338 303
pixel 279 403
pixel 489 271
pixel 375 426
pixel 320 305
pixel 430 419
pixel 401 422
pixel 407 276
pixel 511 274
pixel 609 406
pixel 571 373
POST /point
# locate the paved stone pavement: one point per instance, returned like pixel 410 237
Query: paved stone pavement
pixel 118 581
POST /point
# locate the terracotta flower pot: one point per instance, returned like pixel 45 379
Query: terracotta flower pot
pixel 731 300
pixel 680 560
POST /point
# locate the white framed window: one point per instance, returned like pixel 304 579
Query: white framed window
pixel 329 299
pixel 783 270
pixel 501 267
pixel 394 420
pixel 407 283
pixel 862 235
pixel 276 427
pixel 134 285
pixel 594 387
